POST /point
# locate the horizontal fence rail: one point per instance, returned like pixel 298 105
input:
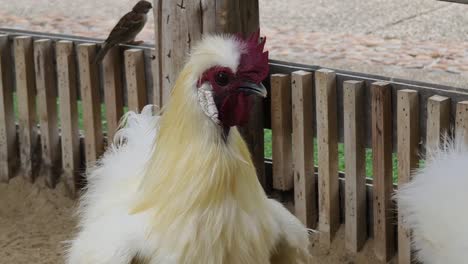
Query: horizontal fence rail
pixel 59 111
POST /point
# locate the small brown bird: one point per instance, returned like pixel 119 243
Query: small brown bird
pixel 126 29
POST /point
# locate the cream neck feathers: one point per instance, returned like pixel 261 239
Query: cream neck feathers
pixel 192 167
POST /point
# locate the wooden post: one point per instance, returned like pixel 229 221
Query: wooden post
pixel 281 131
pixel 438 121
pixel 26 92
pixel 157 100
pixel 408 159
pixel 303 148
pixel 327 138
pixel 89 84
pixel 47 108
pixel 136 79
pixel 113 90
pixel 355 193
pixel 8 153
pixel 178 24
pixel 67 90
pixel 382 168
pixel 461 126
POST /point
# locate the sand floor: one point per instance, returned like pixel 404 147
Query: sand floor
pixel 34 222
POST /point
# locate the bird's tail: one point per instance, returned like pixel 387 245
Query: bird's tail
pixel 102 53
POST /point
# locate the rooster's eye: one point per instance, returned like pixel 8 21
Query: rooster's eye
pixel 222 79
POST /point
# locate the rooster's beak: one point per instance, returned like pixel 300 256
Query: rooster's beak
pixel 253 88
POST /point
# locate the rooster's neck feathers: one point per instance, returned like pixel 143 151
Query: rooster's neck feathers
pixel 190 152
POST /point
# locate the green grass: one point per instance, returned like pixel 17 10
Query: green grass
pixel 341 160
pixel 80 113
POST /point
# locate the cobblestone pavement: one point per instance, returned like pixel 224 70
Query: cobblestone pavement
pixel 430 36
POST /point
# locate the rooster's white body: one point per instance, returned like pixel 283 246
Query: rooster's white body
pixel 434 205
pixel 174 190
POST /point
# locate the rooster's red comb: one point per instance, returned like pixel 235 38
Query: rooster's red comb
pixel 253 64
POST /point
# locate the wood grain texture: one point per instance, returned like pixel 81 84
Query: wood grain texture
pixel 89 87
pixel 381 102
pixel 113 90
pixel 136 79
pixel 180 27
pixel 47 110
pixel 408 158
pixel 438 121
pixel 70 138
pixel 26 93
pixel 305 198
pixel 327 141
pixel 8 152
pixel 157 93
pixel 461 125
pixel 281 132
pixel 355 193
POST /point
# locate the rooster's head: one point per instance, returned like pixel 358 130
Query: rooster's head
pixel 229 69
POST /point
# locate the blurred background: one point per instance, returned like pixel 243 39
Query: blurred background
pixel 424 40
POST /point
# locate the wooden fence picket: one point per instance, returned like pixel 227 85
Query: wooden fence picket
pixel 408 158
pixel 355 193
pixel 327 141
pixel 382 168
pixel 26 94
pixel 8 153
pixel 438 120
pixel 136 80
pixel 281 129
pixel 47 109
pixel 89 87
pixel 303 148
pixel 113 90
pixel 68 109
pixel 461 123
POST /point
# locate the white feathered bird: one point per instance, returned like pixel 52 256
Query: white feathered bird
pixel 181 188
pixel 434 205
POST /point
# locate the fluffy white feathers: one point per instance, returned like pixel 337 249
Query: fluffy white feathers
pixel 215 50
pixel 434 205
pixel 108 234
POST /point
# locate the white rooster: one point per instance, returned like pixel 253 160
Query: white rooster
pixel 435 206
pixel 181 187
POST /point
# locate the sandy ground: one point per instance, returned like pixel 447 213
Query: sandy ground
pixel 35 221
pixel 338 253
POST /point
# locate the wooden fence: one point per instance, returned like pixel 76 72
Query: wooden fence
pixel 52 79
